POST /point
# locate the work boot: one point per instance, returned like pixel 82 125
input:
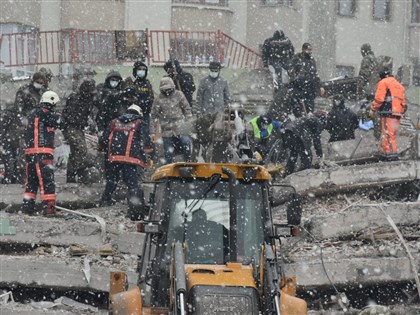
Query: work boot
pixel 28 207
pixel 106 202
pixel 48 208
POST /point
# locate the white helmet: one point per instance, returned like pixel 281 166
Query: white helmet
pixel 135 108
pixel 50 97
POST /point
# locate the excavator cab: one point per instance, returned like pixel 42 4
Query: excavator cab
pixel 209 246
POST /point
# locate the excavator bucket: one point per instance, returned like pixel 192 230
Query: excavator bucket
pixel 291 305
pixel 127 302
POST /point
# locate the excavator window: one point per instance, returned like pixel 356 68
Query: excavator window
pixel 201 221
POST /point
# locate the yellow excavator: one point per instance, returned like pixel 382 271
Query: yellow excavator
pixel 210 246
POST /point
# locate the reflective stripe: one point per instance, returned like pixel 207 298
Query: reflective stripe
pixel 29 195
pixel 125 159
pixel 36 132
pixel 40 179
pixel 47 197
pixel 37 150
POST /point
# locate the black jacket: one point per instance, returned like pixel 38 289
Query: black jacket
pixel 40 128
pixel 112 103
pixel 308 131
pixel 144 90
pixel 341 123
pixel 78 109
pixel 124 140
pixel 186 82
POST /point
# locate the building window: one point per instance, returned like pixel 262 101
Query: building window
pixel 209 2
pixel 346 7
pixel 278 2
pixel 382 9
pixel 415 11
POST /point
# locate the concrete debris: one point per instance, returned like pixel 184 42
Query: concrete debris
pixel 345 241
pixel 86 269
pixel 6 297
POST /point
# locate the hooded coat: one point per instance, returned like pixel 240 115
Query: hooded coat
pixel 170 111
pixel 277 50
pixel 183 80
pixel 112 103
pixel 143 87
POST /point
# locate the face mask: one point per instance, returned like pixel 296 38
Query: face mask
pixel 113 83
pixel 37 85
pixel 141 73
pixel 214 75
pixel 167 92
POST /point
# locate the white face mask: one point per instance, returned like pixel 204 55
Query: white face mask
pixel 37 85
pixel 214 75
pixel 141 73
pixel 113 83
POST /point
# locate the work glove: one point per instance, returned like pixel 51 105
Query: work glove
pixel 404 108
pixel 372 114
pixel 321 92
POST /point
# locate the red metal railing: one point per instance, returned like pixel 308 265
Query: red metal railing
pixel 200 48
pixel 109 47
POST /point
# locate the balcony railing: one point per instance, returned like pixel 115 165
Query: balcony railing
pixel 112 47
pixel 203 2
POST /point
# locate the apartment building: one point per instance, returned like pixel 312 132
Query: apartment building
pixel 336 28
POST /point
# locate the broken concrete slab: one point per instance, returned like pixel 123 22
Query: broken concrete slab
pixel 360 217
pixel 66 193
pixel 54 272
pixel 60 232
pixel 347 178
pixel 363 271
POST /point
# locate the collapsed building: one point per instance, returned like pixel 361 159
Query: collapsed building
pixel 358 244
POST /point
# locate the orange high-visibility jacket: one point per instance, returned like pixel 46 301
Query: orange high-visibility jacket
pixel 389 97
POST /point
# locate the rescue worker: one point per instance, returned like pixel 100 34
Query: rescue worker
pixel 298 137
pixel 145 95
pixel 124 141
pixel 212 97
pixel 263 134
pixel 29 95
pixel 391 105
pixel 111 100
pixel 183 81
pixel 11 144
pixel 368 74
pixel 278 51
pixel 341 121
pixel 171 111
pixel 48 76
pixel 76 117
pixel 39 152
pixel 305 81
